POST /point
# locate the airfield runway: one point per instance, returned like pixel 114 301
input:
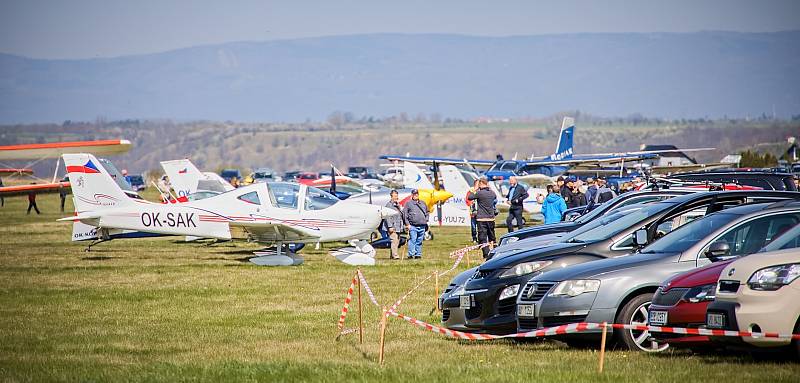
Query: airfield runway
pixel 165 310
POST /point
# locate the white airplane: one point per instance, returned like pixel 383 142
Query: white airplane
pixel 275 213
pixel 186 179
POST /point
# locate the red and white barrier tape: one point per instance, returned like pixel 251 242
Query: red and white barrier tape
pixel 704 331
pixel 399 301
pixel 367 289
pixel 550 331
pixel 460 253
pixel 583 326
pixel 346 306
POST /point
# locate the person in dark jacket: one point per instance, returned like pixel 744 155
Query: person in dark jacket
pixel 2 200
pixel 591 190
pixel 473 214
pixel 553 207
pixel 395 224
pixel 516 195
pixel 568 193
pixel 32 202
pixel 486 200
pixel 415 214
pixel 604 193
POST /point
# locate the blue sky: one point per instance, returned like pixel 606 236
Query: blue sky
pixel 108 28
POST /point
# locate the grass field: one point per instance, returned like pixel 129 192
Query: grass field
pixel 164 310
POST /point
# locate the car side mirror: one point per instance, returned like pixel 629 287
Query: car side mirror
pixel 718 250
pixel 640 237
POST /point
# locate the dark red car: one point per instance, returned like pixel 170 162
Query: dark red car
pixel 681 302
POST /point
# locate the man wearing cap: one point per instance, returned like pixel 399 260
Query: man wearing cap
pixel 516 194
pixel 485 200
pixel 394 225
pixel 591 190
pixel 415 214
pixel 568 194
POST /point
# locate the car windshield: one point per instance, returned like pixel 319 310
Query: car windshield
pixel 600 222
pixel 790 239
pixel 684 237
pixel 614 224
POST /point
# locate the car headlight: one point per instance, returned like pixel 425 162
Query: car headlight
pixel 701 293
pixel 508 292
pixel 507 240
pixel 576 287
pixel 772 278
pixel 525 268
pixel 457 291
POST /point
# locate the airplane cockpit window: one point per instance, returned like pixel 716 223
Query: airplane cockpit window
pixel 284 195
pixel 251 197
pixel 509 165
pixel 317 199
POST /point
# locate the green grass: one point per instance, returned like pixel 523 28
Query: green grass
pixel 164 310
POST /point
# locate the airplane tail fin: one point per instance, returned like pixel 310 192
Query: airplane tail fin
pixel 183 176
pixel 564 148
pixel 414 178
pixel 92 186
pixel 454 182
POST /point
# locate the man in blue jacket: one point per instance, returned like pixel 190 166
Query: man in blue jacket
pixel 554 206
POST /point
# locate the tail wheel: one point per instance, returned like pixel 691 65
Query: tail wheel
pixel 635 312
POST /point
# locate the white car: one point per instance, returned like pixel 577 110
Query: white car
pixel 760 293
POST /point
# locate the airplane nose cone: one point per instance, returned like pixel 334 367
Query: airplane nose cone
pixel 440 196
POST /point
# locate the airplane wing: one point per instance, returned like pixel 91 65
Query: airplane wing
pixel 596 160
pixel 56 149
pixel 687 168
pixel 10 191
pixel 536 179
pixel 440 160
pixel 5 172
pixel 273 231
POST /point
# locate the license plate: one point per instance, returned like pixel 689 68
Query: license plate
pixel 525 310
pixel 658 318
pixel 465 302
pixel 715 320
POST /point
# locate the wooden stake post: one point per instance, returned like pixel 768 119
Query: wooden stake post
pixel 603 347
pixel 383 335
pixel 360 321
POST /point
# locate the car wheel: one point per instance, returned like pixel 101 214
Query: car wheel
pixel 635 312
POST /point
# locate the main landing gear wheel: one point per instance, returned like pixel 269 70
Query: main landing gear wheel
pixel 635 312
pixel 360 253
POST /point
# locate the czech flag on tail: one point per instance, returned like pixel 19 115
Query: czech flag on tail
pixel 89 167
pixel 182 171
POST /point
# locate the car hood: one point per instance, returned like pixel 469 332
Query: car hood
pixel 560 227
pixel 705 275
pixel 527 244
pixel 510 260
pixel 596 269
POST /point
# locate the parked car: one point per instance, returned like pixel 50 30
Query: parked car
pixel 260 175
pixel 229 174
pixel 766 180
pixel 565 227
pixel 137 182
pixel 491 293
pixel 361 172
pixel 682 300
pixel 620 290
pixel 759 294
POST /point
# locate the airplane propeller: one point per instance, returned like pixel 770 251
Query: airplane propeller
pixel 436 187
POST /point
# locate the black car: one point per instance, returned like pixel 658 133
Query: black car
pixel 490 295
pixel 767 180
pixel 621 200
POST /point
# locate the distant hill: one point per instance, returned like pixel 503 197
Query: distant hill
pixel 657 74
